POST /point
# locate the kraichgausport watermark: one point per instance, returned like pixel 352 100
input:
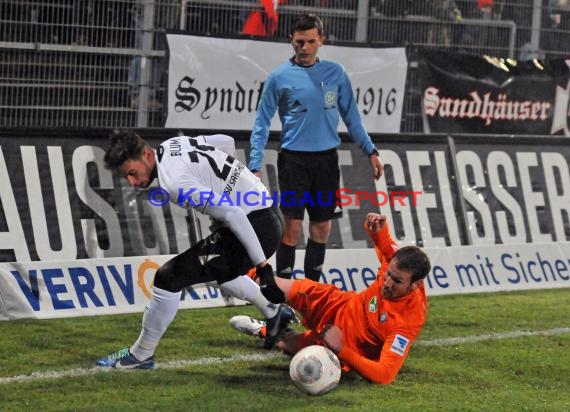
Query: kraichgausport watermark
pixel 159 196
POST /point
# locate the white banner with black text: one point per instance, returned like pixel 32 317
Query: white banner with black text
pixel 216 83
pixel 43 290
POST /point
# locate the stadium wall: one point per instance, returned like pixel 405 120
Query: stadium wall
pixel 492 211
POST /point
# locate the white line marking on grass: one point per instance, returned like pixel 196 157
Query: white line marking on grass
pixel 71 373
pixel 491 336
pixel 214 361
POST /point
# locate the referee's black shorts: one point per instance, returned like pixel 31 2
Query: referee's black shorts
pixel 309 181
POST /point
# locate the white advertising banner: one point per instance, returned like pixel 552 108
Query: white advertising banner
pixel 461 269
pixel 216 83
pixel 44 290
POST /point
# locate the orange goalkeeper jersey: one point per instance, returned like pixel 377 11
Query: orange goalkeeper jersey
pixel 378 333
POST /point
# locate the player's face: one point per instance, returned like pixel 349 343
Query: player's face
pixel 306 45
pixel 140 172
pixel 397 283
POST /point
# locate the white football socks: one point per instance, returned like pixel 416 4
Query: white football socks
pixel 158 315
pixel 244 288
pixel 161 310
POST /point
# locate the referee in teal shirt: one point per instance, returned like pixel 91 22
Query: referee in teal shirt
pixel 310 95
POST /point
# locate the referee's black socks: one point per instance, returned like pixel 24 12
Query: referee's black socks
pixel 285 260
pixel 314 259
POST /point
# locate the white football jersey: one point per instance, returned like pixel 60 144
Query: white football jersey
pixel 197 173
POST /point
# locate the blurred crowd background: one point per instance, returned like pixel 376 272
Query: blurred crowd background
pixel 101 63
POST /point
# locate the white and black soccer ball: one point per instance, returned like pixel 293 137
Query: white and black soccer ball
pixel 315 370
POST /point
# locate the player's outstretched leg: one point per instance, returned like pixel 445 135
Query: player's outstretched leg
pixel 248 325
pixel 270 330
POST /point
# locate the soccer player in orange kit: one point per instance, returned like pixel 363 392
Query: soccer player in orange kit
pixel 370 331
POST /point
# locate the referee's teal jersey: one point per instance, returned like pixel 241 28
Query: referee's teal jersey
pixel 310 101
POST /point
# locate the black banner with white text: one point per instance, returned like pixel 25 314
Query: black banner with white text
pixel 57 201
pixel 487 95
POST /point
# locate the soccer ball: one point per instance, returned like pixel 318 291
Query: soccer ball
pixel 315 370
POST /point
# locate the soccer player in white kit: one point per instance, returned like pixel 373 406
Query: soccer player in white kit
pixel 201 172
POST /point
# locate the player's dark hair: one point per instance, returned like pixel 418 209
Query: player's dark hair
pixel 306 22
pixel 413 259
pixel 123 145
